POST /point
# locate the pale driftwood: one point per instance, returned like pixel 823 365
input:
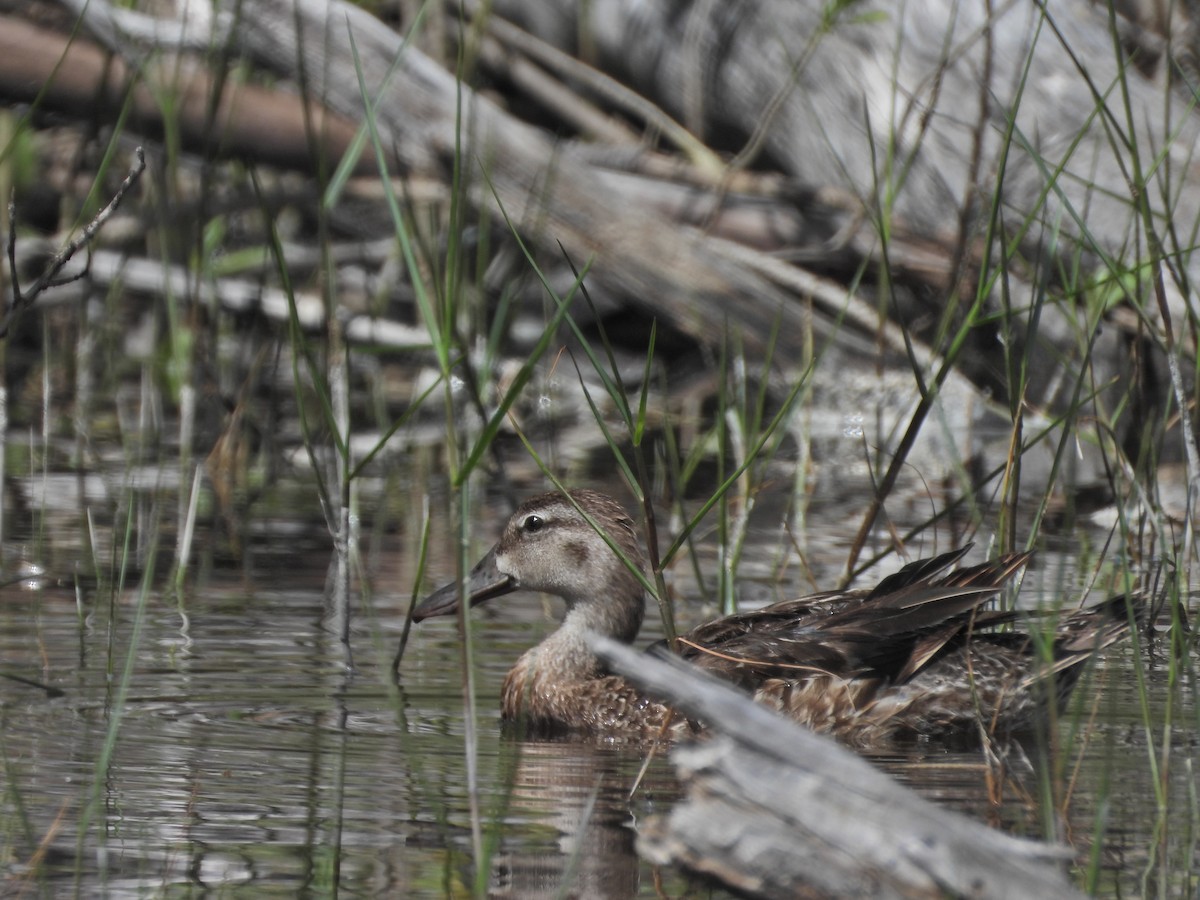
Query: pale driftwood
pixel 776 811
pixel 826 103
pixel 930 87
pixel 827 98
pixel 634 252
pixel 107 268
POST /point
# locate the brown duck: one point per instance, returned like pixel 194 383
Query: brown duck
pixel 907 657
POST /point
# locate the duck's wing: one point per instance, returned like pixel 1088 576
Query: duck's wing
pixel 998 571
pixel 890 634
pixel 791 615
pixel 868 638
pixel 921 571
pixel 778 616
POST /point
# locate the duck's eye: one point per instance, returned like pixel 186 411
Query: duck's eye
pixel 533 523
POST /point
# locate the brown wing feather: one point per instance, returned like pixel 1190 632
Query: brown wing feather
pixel 921 571
pixel 889 634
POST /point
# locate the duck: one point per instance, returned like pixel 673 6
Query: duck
pixel 914 656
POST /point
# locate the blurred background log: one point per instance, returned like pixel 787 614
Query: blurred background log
pixel 821 182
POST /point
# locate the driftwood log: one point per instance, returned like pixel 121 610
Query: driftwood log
pixel 888 132
pixel 773 810
pixel 834 105
pixel 829 104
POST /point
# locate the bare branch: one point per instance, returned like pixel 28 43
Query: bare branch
pixel 50 277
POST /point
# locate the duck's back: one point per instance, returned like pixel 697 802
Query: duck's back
pixel 911 656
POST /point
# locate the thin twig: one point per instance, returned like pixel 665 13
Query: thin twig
pixel 50 277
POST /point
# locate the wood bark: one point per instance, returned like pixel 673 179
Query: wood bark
pixel 72 74
pixel 773 810
pixel 927 112
pixel 891 130
pixel 695 281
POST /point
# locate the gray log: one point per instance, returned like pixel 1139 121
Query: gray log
pixel 634 252
pixel 774 810
pixel 908 108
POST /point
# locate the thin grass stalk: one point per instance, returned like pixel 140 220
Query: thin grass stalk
pixel 187 531
pixel 301 352
pixel 481 854
pixel 1017 383
pixel 343 538
pixel 117 690
pixel 41 460
pixel 338 800
pixel 149 422
pixel 721 429
pixel 1191 840
pixel 84 353
pixel 418 578
pixel 4 411
pixel 666 605
pixel 637 477
pixel 187 431
pixel 676 478
pixel 8 135
pixel 470 707
pixel 440 326
pixel 738 528
pixel 735 517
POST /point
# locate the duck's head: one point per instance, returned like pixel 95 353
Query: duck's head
pixel 549 546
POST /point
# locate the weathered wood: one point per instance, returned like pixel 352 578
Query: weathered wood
pixel 71 74
pixel 908 108
pixel 837 101
pixel 696 282
pixel 926 89
pixel 775 811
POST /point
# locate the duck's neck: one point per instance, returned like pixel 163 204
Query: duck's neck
pixel 615 610
pixel 549 684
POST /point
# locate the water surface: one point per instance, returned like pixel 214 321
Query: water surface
pixel 241 754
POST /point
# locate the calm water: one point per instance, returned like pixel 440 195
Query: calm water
pixel 243 757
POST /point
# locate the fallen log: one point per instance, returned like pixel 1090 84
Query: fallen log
pixel 773 810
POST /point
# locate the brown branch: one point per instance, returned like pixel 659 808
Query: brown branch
pixel 50 276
